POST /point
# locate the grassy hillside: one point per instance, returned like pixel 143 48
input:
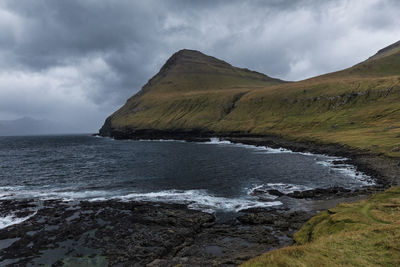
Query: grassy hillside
pixel 365 233
pixel 359 106
pixel 190 70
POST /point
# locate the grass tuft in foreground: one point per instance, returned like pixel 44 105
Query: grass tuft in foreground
pixel 365 233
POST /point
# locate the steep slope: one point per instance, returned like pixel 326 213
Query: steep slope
pixel 190 70
pixel 189 87
pixel 358 107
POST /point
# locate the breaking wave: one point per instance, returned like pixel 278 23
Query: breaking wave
pixel 346 169
pixel 281 187
pixel 12 219
pixel 196 199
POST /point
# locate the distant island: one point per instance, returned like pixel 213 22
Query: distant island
pixel 31 126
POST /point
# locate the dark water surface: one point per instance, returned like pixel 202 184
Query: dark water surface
pixel 210 176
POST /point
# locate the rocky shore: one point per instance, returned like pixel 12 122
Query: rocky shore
pixel 115 233
pixel 139 234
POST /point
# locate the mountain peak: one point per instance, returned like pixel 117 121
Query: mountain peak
pixel 190 70
pixel 186 51
pixel 192 59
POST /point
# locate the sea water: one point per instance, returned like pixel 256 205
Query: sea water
pixel 209 176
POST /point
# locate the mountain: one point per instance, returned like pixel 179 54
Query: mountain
pixel 190 70
pixel 197 94
pixel 190 86
pixel 29 126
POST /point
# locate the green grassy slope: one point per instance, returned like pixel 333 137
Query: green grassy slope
pixel 365 233
pixel 190 91
pixel 359 106
pixel 190 70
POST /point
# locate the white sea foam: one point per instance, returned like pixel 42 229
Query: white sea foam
pixel 104 137
pixel 261 149
pixel 12 219
pixel 217 141
pixel 281 187
pixel 196 199
pixel 10 191
pixel 346 169
pixel 74 195
pixel 161 140
pixel 21 192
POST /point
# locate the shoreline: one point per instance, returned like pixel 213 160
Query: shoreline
pixel 384 170
pixel 147 233
pixel 162 234
pixel 140 233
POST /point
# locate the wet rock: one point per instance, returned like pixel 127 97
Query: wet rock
pixel 257 218
pixel 275 192
pixel 321 193
pixel 281 224
pixel 338 162
pixel 138 234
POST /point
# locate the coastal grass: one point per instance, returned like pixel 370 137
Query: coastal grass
pixel 361 113
pixel 364 233
pixel 358 107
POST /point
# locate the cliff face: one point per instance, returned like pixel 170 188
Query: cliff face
pixel 198 94
pixel 106 129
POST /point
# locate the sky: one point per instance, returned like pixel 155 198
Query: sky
pixel 77 61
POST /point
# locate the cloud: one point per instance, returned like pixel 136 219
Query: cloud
pixel 54 94
pixel 77 61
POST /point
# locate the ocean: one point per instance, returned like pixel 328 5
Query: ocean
pixel 209 176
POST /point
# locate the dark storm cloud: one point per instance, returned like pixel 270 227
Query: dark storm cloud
pixel 62 59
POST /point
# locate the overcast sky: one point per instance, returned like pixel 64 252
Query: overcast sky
pixel 77 61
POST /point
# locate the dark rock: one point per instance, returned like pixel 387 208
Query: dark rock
pixel 281 224
pixel 137 234
pixel 322 193
pixel 275 192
